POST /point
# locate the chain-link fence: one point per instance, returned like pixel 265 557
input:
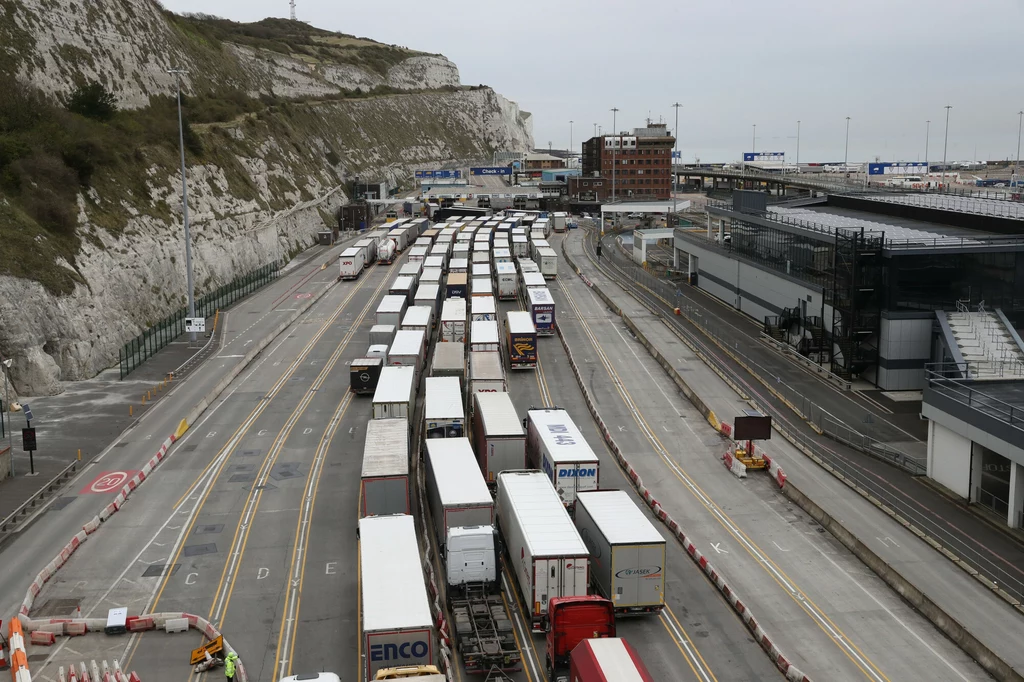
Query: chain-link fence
pixel 621 268
pixel 149 342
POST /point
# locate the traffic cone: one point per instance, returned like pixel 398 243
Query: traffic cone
pixel 77 615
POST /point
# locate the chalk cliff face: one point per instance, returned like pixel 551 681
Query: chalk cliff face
pixel 275 178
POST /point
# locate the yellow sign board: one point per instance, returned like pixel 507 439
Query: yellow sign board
pixel 213 647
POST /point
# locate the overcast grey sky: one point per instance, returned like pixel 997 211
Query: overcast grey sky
pixel 889 65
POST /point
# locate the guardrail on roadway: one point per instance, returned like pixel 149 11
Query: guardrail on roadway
pixel 11 521
pixel 954 545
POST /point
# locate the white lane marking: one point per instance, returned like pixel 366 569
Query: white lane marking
pixel 690 652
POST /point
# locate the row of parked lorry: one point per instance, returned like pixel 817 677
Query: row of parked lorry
pixel 500 491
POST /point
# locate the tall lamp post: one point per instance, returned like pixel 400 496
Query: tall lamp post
pixel 945 145
pixel 672 164
pixel 798 146
pixel 753 141
pixel 614 145
pixel 178 73
pixel 570 141
pixel 846 154
pixel 927 138
pixel 1016 161
pixel 7 405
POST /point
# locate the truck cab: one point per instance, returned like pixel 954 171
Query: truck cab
pixel 422 673
pixel 572 620
pixel 471 557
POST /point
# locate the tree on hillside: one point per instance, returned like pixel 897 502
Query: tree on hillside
pixel 92 100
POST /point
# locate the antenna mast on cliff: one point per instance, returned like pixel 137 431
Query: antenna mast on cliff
pixel 292 4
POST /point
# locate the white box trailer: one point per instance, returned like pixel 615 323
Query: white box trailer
pixel 481 255
pixel 483 308
pixel 461 249
pixel 434 261
pixel 442 249
pixel 549 556
pixel 384 484
pixel 404 285
pixel 417 253
pixel 627 553
pixel 505 274
pixel 481 286
pixel 424 241
pixel 520 246
pixel 397 626
pixel 399 236
pixel 453 320
pixel 382 334
pixel 456 491
pixel 396 393
pixel 413 270
pixel 449 360
pixel 531 279
pixel 431 276
pixel 481 270
pixel 459 265
pixel 429 295
pixel 528 265
pixel 408 350
pixel 547 259
pixel 483 336
pixel 486 373
pixel 351 263
pixel 498 434
pixel 444 410
pixel 541 306
pixel 502 255
pixel 369 247
pixel 418 318
pixel 391 309
pixel 555 445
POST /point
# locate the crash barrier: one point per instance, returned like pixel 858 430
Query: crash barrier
pixel 734 465
pixel 792 673
pixel 109 673
pixel 95 523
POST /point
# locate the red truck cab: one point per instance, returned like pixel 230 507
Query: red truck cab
pixel 572 620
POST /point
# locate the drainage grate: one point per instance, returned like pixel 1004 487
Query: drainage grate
pixel 250 453
pixel 242 478
pixel 209 528
pixel 160 570
pixel 197 550
pixel 190 448
pixel 61 502
pixel 283 472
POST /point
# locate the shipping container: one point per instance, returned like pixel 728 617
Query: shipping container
pixel 391 309
pixel 547 259
pixel 498 434
pixel 384 485
pixel 548 556
pixel 418 317
pixel 429 295
pixel 444 410
pixel 404 285
pixel 417 253
pixel 408 350
pixel 483 336
pixel 456 491
pixel 397 625
pixel 486 374
pixel 350 263
pixel 555 445
pixel 369 249
pixel 520 340
pixel 449 360
pixel 363 375
pixel 431 276
pixel 505 274
pixel 607 659
pixel 482 308
pixel 456 285
pixel 541 307
pixel 453 320
pixel 627 552
pixel 395 394
pixel 382 334
pixel 458 265
pixel 481 286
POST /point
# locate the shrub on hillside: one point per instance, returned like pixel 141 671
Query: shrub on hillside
pixel 92 100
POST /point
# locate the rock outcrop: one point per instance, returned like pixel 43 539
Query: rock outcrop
pixel 269 188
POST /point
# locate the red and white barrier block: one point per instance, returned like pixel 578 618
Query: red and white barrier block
pixel 774 469
pixel 734 465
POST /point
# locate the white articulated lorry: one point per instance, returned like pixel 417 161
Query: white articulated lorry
pixel 456 491
pixel 444 413
pixel 396 393
pixel 498 435
pixel 384 484
pixel 555 445
pixel 627 553
pixel 545 551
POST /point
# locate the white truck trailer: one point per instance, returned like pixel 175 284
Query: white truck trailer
pixel 482 308
pixel 384 484
pixel 453 321
pixel 408 350
pixel 627 553
pixel 505 274
pixel 449 360
pixel 418 317
pixel 486 373
pixel 456 491
pixel 547 554
pixel 396 393
pixel 498 435
pixel 397 626
pixel 481 286
pixel 382 334
pixel 547 259
pixel 444 412
pixel 350 263
pixel 391 309
pixel 555 445
pixel 483 335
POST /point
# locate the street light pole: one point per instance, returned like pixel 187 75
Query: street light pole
pixel 927 137
pixel 1016 161
pixel 672 164
pixel 617 139
pixel 846 154
pixel 753 141
pixel 570 142
pixel 184 209
pixel 7 405
pixel 945 145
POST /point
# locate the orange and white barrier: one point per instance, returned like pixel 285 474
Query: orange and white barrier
pixel 19 657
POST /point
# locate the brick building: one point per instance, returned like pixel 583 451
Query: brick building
pixel 643 162
pixel 590 188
